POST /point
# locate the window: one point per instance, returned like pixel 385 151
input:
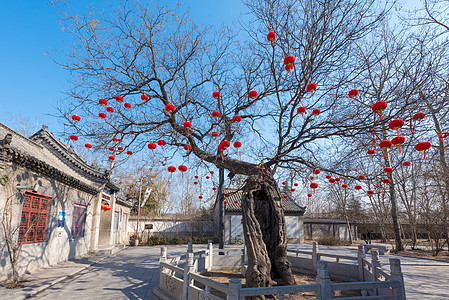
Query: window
pixel 79 220
pixel 33 223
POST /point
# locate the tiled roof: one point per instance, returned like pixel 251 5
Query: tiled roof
pixel 235 198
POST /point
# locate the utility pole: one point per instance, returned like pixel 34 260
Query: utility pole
pixel 221 224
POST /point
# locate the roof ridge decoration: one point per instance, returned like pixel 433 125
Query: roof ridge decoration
pixel 27 139
pixel 67 153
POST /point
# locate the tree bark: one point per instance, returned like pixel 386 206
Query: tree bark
pixel 265 233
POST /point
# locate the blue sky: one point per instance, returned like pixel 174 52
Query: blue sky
pixel 31 83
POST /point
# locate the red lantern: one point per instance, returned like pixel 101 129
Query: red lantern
pixel 182 169
pixel 215 114
pixel 289 68
pixel 271 36
pixel 119 99
pixel 225 202
pixel 379 107
pixel 103 102
pixel 388 170
pixel 385 145
pixel 396 124
pixel 285 196
pixel 344 185
pixel 152 146
pixel 314 186
pixel 237 119
pixel 370 192
pixel 129 152
pixel 358 188
pixel 237 145
pixel 214 134
pixel 284 183
pixel 171 169
pixel 398 141
pixel 110 109
pixel 252 95
pixel 170 108
pixel 214 188
pixel 76 118
pixel 196 176
pixel 111 158
pixel 88 146
pixel 353 93
pixel 127 105
pixel 116 140
pixel 332 180
pixel 386 181
pixel 312 178
pixel 361 177
pixel 337 179
pixel 289 60
pixel 216 95
pixel 161 143
pixel 371 152
pixel 144 97
pixel 187 148
pixel 74 138
pixel 187 125
pixel 309 195
pixel 406 163
pixel 102 115
pixel 316 172
pixel 316 112
pixel 328 176
pixel 302 110
pixel 212 172
pixel 296 184
pixel 200 197
pixel 111 149
pixel 419 116
pixel 226 144
pixel 311 87
pixel 423 146
pixel 120 148
pixel 292 190
pixel 195 183
pixel 207 177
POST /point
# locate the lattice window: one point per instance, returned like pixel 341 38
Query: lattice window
pixel 79 220
pixel 34 218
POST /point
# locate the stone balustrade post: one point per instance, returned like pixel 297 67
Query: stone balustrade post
pixel 190 247
pixel 324 280
pixel 375 262
pixel 210 257
pixel 396 275
pixel 360 257
pixel 163 257
pixel 235 286
pixel 189 268
pixel 315 257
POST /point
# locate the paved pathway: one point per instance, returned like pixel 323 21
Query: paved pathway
pixel 424 278
pixel 132 273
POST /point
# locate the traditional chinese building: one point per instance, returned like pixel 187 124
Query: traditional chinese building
pixel 62 206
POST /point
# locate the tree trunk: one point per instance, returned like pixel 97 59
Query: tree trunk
pixel 265 233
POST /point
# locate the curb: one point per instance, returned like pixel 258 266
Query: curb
pixel 46 286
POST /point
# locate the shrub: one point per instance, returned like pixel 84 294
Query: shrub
pixel 332 241
pixel 132 240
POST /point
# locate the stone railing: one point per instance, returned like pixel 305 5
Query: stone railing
pixel 176 282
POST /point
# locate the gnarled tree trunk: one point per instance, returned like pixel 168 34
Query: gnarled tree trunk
pixel 265 233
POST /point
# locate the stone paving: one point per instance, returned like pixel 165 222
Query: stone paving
pixel 132 273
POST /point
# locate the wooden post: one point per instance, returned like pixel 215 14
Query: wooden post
pixel 210 256
pixel 396 275
pixel 234 289
pixel 163 257
pixel 315 257
pixel 324 280
pixel 189 268
pixel 360 257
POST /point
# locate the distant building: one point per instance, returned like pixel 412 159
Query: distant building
pixel 233 216
pixel 50 182
pixel 318 228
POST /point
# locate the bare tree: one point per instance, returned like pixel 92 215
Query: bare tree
pixel 160 56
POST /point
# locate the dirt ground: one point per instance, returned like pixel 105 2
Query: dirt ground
pixel 223 276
